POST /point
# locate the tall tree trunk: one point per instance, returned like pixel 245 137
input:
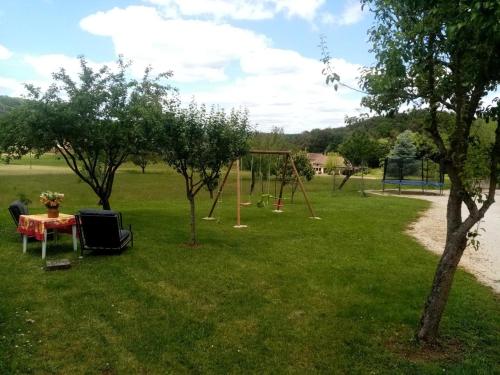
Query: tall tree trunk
pixel 104 202
pixel 143 167
pixel 456 242
pixel 193 221
pixel 348 174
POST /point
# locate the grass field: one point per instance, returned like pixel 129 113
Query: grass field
pixel 286 295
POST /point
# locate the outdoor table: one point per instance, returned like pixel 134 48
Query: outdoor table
pixel 36 226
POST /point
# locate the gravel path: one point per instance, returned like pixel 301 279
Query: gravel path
pixel 430 231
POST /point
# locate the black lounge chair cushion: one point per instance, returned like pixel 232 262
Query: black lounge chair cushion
pixel 92 211
pixel 102 230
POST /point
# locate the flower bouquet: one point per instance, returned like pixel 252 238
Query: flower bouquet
pixel 51 200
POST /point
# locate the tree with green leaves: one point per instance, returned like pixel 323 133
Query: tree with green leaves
pixel 94 122
pixel 359 148
pixel 335 163
pixel 404 147
pixel 198 143
pixel 15 139
pixel 441 55
pixel 144 158
pixel 304 169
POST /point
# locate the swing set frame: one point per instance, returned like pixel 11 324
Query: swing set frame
pixel 288 159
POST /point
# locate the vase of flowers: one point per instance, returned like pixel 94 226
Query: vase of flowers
pixel 51 200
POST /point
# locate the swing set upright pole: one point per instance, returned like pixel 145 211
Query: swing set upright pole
pixel 313 215
pixel 219 192
pixel 238 197
pixel 283 176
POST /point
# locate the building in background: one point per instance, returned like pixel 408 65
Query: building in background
pixel 318 162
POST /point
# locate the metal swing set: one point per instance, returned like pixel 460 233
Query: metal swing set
pixel 279 200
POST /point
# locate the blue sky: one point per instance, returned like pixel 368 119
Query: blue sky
pixel 259 54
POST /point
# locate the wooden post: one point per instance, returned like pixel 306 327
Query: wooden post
pixel 238 197
pixel 283 176
pixel 219 192
pixel 313 216
pixel 363 194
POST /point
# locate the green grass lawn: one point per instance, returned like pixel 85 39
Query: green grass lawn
pixel 286 295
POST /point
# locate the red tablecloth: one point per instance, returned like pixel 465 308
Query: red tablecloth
pixel 35 225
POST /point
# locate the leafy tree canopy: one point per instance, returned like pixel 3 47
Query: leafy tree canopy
pixel 94 122
pixel 360 148
pixel 198 143
pixel 405 146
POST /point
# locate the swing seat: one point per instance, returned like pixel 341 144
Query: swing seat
pixel 245 204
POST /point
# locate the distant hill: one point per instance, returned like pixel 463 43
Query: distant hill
pixel 7 103
pixel 322 140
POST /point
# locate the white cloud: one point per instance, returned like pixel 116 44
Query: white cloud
pixel 279 87
pixel 10 86
pixel 5 53
pixel 235 9
pixel 13 87
pixel 194 49
pixel 306 9
pixel 240 9
pixel 290 95
pixel 351 14
pixel 45 65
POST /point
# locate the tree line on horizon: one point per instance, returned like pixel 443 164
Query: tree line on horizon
pixel 362 140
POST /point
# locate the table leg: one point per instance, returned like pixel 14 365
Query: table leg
pixel 44 244
pixel 75 245
pixel 25 243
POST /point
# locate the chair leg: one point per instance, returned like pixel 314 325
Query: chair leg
pixel 73 232
pixel 44 245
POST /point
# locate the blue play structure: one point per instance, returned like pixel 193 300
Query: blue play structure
pixel 423 173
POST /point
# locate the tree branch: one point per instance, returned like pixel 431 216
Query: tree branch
pixel 447 105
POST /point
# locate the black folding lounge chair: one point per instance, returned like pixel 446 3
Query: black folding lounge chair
pixel 102 230
pixel 18 208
